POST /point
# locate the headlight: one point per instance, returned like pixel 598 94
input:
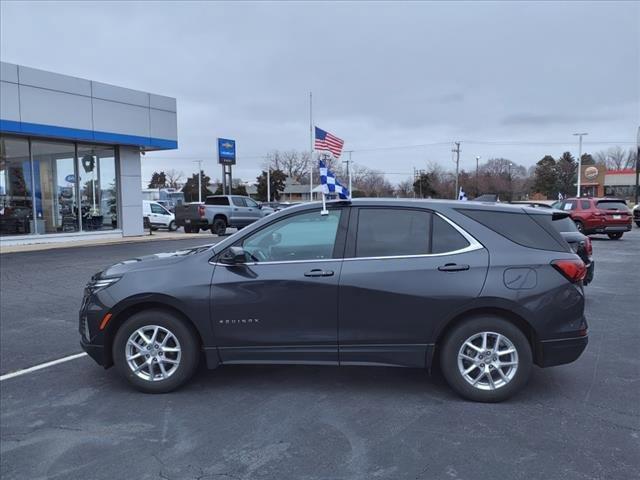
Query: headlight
pixel 101 283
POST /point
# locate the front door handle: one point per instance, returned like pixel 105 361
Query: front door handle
pixel 316 272
pixel 453 267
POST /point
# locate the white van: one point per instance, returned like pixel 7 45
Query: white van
pixel 159 217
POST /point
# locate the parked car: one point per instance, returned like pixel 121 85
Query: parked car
pixel 219 212
pixel 158 216
pixel 610 216
pixel 579 243
pixel 636 215
pixel 487 290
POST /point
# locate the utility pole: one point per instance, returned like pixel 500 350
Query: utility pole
pixel 348 162
pixel 199 162
pixel 510 182
pixel 268 184
pixel 457 152
pixel 477 170
pixel 579 160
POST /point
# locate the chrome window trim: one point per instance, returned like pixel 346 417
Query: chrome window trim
pixel 472 247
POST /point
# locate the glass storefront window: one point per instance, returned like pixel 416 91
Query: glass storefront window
pixel 55 196
pixel 16 204
pixel 98 189
pixel 56 187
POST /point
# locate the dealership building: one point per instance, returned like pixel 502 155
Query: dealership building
pixel 70 155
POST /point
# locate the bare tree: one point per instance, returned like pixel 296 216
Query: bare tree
pixel 174 177
pixel 369 183
pixel 293 163
pixel 616 158
pixel 404 189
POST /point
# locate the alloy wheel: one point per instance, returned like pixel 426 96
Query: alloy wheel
pixel 153 353
pixel 488 360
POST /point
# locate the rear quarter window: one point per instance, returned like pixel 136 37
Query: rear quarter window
pixel 216 201
pixel 520 228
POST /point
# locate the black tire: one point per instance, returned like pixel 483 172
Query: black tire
pixel 638 224
pixel 219 226
pixel 172 226
pixel 615 236
pixel 455 340
pixel 188 229
pixel 579 226
pixel 188 342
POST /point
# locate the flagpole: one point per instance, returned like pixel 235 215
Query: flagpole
pixel 311 164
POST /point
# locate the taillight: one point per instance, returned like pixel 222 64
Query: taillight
pixel 201 210
pixel 588 245
pixel 573 270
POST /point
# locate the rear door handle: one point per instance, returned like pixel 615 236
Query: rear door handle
pixel 316 272
pixel 453 267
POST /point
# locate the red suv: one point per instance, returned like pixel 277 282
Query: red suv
pixel 599 215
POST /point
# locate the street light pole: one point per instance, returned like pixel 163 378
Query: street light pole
pixel 268 184
pixel 510 182
pixel 199 162
pixel 477 165
pixel 348 162
pixel 579 160
pixel 457 152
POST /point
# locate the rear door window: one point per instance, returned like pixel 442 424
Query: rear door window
pixel 585 205
pixel 385 232
pixel 446 238
pixel 238 201
pixel 217 201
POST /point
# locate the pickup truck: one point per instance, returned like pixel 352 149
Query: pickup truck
pixel 219 212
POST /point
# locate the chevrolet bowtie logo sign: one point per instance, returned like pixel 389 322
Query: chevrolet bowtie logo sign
pixel 226 151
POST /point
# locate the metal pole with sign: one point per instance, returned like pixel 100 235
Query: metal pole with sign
pixel 226 158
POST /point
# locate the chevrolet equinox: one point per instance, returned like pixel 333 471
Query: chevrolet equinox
pixel 483 291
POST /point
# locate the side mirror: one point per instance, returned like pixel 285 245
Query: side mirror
pixel 233 256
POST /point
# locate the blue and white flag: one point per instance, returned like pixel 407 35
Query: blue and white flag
pixel 462 196
pixel 329 183
pixel 560 196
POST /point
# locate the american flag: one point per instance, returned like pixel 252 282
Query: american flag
pixel 327 142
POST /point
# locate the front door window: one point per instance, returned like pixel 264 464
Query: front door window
pixel 308 236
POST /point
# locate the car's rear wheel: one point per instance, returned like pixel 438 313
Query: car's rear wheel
pixel 219 227
pixel 155 351
pixel 579 225
pixel 486 359
pixel 615 236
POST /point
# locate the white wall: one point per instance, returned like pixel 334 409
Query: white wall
pixel 130 192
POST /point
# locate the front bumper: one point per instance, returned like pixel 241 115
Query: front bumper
pixel 560 351
pixel 94 351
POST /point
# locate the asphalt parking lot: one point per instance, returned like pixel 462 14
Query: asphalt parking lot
pixel 76 420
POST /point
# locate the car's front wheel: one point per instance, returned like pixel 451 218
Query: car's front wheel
pixel 155 351
pixel 486 359
pixel 172 226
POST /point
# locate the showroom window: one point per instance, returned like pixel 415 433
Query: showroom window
pixel 49 187
pixel 16 202
pixel 54 178
pixel 97 183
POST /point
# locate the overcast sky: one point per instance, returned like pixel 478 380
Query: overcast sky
pixel 382 74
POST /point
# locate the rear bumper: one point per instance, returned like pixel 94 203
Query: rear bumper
pixel 590 270
pixel 561 351
pixel 200 222
pixel 611 228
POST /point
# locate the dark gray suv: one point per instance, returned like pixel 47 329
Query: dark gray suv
pixel 483 291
